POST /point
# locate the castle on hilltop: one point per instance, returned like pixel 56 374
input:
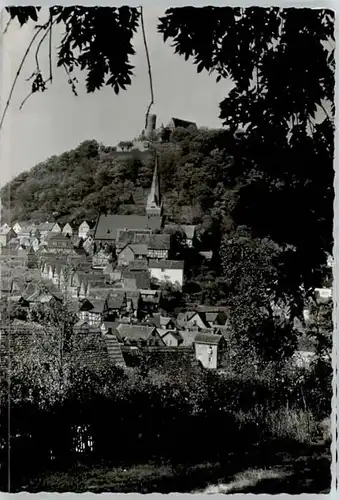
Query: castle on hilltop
pixel 151 134
pixel 163 134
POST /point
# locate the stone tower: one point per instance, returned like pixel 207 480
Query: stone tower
pixel 150 127
pixel 154 202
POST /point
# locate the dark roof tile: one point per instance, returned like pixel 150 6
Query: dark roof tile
pixel 108 225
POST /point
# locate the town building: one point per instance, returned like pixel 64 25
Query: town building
pixel 68 229
pixel 209 349
pixel 49 227
pixel 167 271
pixel 6 234
pixel 83 229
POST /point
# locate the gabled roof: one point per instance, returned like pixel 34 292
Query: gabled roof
pixel 160 321
pixel 142 278
pixel 71 224
pixel 138 248
pixel 114 350
pixel 98 306
pixel 132 236
pixel 188 229
pixel 166 264
pixel 108 225
pixel 6 230
pixel 184 317
pixel 211 316
pixel 208 338
pixel 224 330
pixel 207 254
pixel 137 265
pixel 159 242
pixel 188 337
pixel 46 226
pixel 89 224
pixel 150 296
pixel 135 332
pixel 174 333
pixel 116 299
pixel 177 122
pixel 134 296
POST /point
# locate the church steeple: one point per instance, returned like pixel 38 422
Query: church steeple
pixel 154 203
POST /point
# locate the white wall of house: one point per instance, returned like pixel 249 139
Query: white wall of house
pixel 56 228
pixel 196 322
pixel 306 314
pixel 83 230
pixel 207 355
pixel 170 340
pixel 67 229
pixel 17 227
pixel 157 254
pixel 172 275
pixel 324 293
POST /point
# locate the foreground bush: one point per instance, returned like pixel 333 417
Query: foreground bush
pixel 127 417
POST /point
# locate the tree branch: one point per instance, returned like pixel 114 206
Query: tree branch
pixel 50 48
pixel 148 64
pixel 50 78
pixel 7 26
pixel 18 74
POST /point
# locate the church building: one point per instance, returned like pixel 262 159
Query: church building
pixel 108 226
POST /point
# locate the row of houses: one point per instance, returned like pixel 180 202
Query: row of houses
pixel 27 231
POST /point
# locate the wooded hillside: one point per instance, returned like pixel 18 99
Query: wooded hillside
pixel 195 170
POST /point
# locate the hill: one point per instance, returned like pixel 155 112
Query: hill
pixel 194 170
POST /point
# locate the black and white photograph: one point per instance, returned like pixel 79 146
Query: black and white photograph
pixel 166 249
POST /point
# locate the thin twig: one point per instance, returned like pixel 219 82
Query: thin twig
pixel 18 73
pixel 148 64
pixel 49 79
pixel 48 31
pixel 7 26
pixel 25 100
pixel 50 48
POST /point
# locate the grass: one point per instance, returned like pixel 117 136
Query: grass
pixel 305 469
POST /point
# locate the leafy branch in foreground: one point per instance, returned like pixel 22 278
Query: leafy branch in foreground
pixel 97 40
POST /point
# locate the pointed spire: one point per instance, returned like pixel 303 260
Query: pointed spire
pixel 155 188
pixel 154 197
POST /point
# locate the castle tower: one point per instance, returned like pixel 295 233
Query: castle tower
pixel 154 202
pixel 150 127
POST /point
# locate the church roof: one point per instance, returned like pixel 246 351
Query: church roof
pixel 108 225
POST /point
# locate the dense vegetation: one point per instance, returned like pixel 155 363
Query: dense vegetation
pixel 179 416
pixel 194 169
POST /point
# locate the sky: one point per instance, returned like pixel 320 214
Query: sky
pixel 56 121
